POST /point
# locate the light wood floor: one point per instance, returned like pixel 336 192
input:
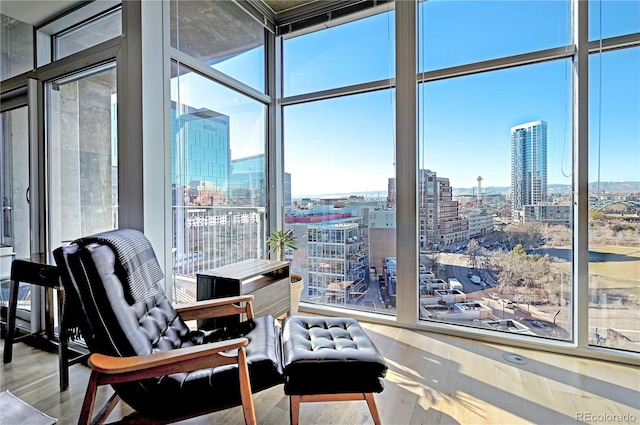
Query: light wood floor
pixel 432 379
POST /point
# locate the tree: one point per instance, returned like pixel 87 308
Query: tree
pixel 526 234
pixel 519 250
pixel 524 274
pixel 473 249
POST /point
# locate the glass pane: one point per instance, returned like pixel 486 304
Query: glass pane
pixel 460 32
pixel 89 34
pixel 351 53
pixel 16 49
pixel 614 202
pixel 495 200
pixel 339 162
pixel 83 155
pixel 218 177
pixel 611 18
pixel 14 219
pixel 222 35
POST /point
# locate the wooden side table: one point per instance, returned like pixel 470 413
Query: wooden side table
pixel 268 281
pixel 45 276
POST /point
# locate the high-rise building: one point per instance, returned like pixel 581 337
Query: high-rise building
pixel 287 190
pixel 200 147
pixel 528 166
pixel 218 203
pixel 337 260
pixel 440 222
pixel 248 181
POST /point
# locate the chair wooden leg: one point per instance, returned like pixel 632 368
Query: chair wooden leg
pixel 294 409
pixel 11 321
pixel 371 401
pixel 89 400
pixel 245 389
pixel 106 410
pixel 63 348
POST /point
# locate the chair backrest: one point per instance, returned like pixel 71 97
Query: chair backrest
pixel 112 321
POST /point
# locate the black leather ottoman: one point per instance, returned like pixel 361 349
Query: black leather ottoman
pixel 330 359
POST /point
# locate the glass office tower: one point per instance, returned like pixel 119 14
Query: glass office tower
pixel 528 166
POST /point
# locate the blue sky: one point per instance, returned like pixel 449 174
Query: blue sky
pixel 343 145
pixel 347 144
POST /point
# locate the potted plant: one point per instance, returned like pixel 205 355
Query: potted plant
pixel 278 241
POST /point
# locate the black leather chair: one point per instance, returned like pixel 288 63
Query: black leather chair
pixel 141 345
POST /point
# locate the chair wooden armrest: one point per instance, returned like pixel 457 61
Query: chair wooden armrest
pixel 216 307
pixel 106 370
pixel 166 362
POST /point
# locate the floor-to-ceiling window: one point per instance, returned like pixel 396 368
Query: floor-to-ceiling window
pixel 494 179
pixel 16 57
pixel 339 160
pixel 15 226
pixel 218 139
pixel 83 154
pixel 59 168
pixel 497 84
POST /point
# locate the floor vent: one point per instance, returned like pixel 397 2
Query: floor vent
pixel 515 358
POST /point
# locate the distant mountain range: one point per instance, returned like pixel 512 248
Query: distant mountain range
pixel 605 187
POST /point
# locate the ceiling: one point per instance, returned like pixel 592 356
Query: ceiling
pixel 35 12
pixel 282 5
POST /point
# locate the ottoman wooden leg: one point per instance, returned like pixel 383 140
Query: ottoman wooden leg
pixel 373 408
pixel 295 400
pixel 294 409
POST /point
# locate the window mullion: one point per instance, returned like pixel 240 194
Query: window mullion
pixel 580 81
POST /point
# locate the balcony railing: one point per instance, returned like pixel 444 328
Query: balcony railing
pixel 210 237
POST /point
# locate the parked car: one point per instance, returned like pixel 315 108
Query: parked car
pixel 538 324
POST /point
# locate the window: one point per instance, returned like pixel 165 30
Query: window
pixel 339 153
pixel 614 231
pixel 223 36
pixel 15 229
pixel 455 33
pixel 339 159
pixel 612 18
pixel 494 167
pixel 357 52
pixel 82 153
pixel 17 47
pixel 88 34
pixel 218 177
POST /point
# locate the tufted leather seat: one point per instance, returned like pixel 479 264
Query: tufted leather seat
pixel 326 355
pixel 113 324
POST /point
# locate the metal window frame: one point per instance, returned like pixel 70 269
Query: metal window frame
pixel 274 171
pixel 405 83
